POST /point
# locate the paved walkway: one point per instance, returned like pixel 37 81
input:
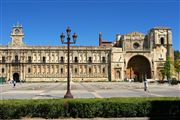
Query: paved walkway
pixel 86 90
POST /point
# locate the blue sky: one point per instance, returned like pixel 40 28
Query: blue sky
pixel 44 20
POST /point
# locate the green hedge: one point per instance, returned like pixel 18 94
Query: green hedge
pixel 90 108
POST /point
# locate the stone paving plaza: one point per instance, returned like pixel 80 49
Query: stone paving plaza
pixel 87 90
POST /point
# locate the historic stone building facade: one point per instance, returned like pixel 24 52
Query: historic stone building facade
pixel 131 56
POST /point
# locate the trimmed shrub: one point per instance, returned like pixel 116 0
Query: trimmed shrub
pixel 90 108
pixel 174 82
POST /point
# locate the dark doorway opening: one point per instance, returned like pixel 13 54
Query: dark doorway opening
pixel 16 77
pixel 138 68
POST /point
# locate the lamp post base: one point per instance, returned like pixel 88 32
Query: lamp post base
pixel 68 95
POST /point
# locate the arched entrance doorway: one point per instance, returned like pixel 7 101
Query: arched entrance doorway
pixel 16 77
pixel 138 67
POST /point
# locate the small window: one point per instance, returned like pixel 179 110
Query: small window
pixel 16 58
pixel 104 70
pixel 103 59
pixel 61 70
pixel 44 59
pixel 90 60
pixel 89 70
pixel 2 70
pixel 75 70
pixel 29 70
pixel 29 59
pixel 76 60
pixel 62 60
pixel 3 59
pixel 162 41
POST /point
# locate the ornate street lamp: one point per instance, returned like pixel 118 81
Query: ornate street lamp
pixel 74 36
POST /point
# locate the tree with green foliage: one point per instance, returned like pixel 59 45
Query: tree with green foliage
pixel 177 62
pixel 177 67
pixel 176 55
pixel 168 68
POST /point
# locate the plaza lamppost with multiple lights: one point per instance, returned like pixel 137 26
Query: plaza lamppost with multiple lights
pixel 68 42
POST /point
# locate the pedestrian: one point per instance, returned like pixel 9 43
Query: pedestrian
pixel 145 85
pixel 14 83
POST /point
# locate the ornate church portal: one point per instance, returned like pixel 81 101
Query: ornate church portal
pixel 138 68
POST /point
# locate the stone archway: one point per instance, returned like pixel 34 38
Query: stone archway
pixel 16 77
pixel 138 67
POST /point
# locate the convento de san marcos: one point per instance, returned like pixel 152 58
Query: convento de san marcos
pixel 132 55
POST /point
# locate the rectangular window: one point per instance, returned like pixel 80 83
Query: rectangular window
pixel 16 58
pixel 104 70
pixel 89 70
pixel 2 70
pixel 103 59
pixel 90 60
pixel 75 70
pixel 44 59
pixel 62 60
pixel 61 70
pixel 29 70
pixel 3 59
pixel 76 60
pixel 29 59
